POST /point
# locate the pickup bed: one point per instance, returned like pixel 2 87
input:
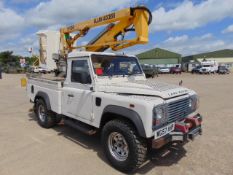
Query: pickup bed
pixel 52 88
pixel 108 93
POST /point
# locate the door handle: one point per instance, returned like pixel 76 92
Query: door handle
pixel 70 95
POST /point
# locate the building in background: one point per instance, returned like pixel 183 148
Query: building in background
pixel 223 57
pixel 160 57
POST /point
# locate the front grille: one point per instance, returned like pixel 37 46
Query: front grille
pixel 178 110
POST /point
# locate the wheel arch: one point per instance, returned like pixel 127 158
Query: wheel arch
pixel 112 112
pixel 43 96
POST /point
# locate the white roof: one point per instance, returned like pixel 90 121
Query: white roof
pixel 86 53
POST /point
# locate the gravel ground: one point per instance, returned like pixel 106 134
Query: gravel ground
pixel 26 148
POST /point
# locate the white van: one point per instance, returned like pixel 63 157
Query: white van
pixel 209 66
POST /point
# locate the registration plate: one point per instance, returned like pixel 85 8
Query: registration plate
pixel 164 131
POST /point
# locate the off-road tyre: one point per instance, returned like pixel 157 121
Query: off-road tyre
pixel 137 146
pixel 48 120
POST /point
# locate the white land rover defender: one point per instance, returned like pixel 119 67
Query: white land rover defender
pixel 108 93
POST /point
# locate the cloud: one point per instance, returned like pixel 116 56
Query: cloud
pixel 22 1
pixel 229 29
pixel 11 23
pixel 56 12
pixel 166 5
pixel 177 39
pixel 190 16
pixel 22 45
pixel 187 45
pixel 205 37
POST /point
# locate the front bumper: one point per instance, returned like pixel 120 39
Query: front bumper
pixel 184 131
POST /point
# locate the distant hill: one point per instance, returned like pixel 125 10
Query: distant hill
pixel 226 53
pixel 158 53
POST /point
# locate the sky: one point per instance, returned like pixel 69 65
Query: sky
pixel 183 26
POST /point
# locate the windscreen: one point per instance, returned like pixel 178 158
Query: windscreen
pixel 105 65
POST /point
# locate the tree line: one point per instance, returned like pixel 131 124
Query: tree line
pixel 8 58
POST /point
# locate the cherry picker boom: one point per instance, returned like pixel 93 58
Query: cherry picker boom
pixel 136 19
pixel 55 46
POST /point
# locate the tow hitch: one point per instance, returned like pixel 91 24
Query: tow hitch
pixel 192 134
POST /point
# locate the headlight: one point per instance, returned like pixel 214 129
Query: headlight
pixel 159 115
pixel 193 103
pixel 190 103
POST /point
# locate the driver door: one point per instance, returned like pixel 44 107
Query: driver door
pixel 77 96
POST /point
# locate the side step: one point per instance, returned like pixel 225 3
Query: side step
pixel 86 129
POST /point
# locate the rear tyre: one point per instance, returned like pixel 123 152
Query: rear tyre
pixel 45 118
pixel 122 146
